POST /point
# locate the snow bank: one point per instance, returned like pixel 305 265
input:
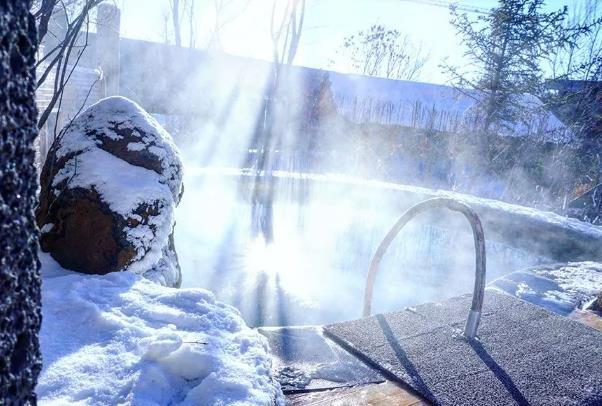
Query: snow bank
pixel 558 288
pixel 121 339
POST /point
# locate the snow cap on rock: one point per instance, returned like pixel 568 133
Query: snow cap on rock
pixel 123 128
pixel 110 185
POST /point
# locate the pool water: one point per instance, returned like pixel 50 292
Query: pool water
pixel 324 236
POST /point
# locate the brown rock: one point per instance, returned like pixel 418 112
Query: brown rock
pixel 109 188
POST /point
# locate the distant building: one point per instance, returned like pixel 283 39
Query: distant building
pixel 183 86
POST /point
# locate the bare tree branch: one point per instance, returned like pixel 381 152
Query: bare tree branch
pixel 380 51
pixel 59 58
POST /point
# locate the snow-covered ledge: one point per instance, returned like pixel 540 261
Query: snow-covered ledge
pixel 122 339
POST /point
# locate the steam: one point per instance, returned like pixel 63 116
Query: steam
pixel 309 266
pixel 269 220
pixel 314 271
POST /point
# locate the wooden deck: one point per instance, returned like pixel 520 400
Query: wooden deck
pixel 588 318
pixel 382 394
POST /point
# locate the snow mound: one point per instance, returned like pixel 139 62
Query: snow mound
pixel 559 288
pixel 122 339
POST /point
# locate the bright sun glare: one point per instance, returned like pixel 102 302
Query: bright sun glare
pixel 264 257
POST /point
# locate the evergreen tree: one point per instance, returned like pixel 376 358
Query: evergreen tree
pixel 505 49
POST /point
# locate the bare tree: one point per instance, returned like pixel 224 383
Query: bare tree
pixel 175 17
pixel 225 12
pixel 580 56
pixel 286 26
pixel 181 13
pixel 191 25
pixel 59 62
pixel 505 50
pixel 380 51
pixel 576 67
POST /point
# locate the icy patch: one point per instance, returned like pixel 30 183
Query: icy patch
pixel 121 339
pixel 306 360
pixel 558 288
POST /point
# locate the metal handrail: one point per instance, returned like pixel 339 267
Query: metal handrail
pixel 474 315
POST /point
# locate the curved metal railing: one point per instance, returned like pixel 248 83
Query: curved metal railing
pixel 474 315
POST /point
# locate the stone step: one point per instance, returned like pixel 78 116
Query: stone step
pixel 524 354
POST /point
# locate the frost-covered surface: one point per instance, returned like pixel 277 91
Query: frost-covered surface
pixel 124 186
pixel 304 359
pixel 121 339
pixel 558 288
pixel 429 106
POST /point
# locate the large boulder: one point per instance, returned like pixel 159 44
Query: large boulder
pixel 109 187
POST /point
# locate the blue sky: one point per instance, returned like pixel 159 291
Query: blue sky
pixel 327 23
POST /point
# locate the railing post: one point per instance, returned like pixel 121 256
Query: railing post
pixel 474 315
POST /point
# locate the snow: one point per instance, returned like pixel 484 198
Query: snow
pixel 47 228
pixel 121 185
pixel 542 216
pixel 558 288
pixel 122 339
pixel 125 114
pixel 117 112
pixel 365 99
pixel 142 186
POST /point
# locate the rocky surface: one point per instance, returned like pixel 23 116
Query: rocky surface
pixel 109 187
pixel 20 358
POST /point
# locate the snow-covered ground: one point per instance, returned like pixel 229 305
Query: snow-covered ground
pixel 122 339
pixel 425 105
pixel 558 288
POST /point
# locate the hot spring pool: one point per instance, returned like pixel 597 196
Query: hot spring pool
pixel 325 234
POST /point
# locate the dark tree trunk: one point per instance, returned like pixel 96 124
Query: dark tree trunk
pixel 20 314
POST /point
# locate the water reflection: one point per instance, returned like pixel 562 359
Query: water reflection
pixel 312 269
